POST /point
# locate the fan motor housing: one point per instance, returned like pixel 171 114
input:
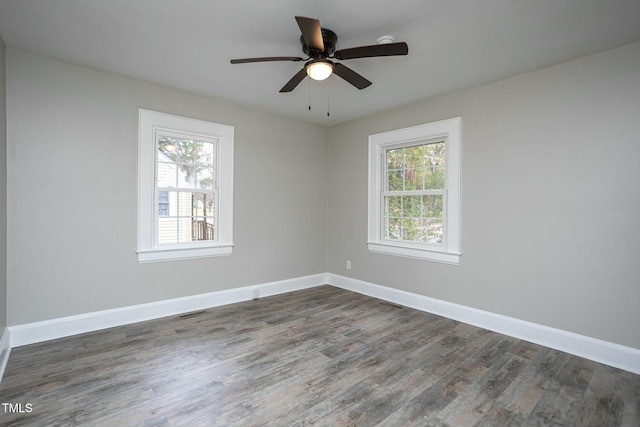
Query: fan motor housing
pixel 329 39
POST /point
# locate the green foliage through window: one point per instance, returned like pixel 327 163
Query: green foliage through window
pixel 414 192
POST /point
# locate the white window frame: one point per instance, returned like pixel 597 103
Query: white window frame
pixel 150 123
pixel 449 131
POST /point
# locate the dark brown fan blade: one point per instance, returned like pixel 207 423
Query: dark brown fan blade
pixel 351 76
pixel 295 81
pixel 388 49
pixel 266 59
pixel 311 32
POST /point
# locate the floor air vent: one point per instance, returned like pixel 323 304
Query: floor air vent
pixel 192 314
pixel 390 304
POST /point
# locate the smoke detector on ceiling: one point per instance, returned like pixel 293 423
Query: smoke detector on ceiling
pixel 386 39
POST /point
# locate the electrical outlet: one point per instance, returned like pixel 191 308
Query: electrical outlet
pixel 348 265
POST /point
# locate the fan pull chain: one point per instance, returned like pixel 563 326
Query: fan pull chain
pixel 328 99
pixel 309 81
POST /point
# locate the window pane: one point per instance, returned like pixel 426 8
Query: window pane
pixel 167 230
pixel 166 174
pixel 434 154
pixel 186 149
pixel 413 157
pixel 184 163
pixel 432 231
pixel 411 229
pixel 416 167
pixel 411 206
pixel 395 158
pixel 395 169
pixel 205 154
pixel 393 206
pixel 204 178
pixel 413 179
pixel 182 204
pixel 184 230
pixel 393 228
pixel 186 176
pixel 434 177
pixel 395 180
pixel 202 228
pixel 414 218
pixel 432 206
pixel 189 216
pixel 202 204
pixel 167 149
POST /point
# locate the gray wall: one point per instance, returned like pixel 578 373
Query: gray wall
pixel 72 193
pixel 550 198
pixel 3 192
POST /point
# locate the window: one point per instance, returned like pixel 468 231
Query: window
pixel 414 191
pixel 185 188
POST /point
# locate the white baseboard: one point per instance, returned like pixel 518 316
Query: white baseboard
pixel 616 355
pixel 66 326
pixel 5 349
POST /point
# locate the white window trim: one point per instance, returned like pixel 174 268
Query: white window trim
pixel 148 251
pixel 449 130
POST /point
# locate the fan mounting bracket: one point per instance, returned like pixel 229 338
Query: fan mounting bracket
pixel 329 38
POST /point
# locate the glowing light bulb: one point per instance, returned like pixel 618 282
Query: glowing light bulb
pixel 319 70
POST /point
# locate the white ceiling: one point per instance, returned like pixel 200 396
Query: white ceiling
pixel 187 44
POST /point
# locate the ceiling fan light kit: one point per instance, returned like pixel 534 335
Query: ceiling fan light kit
pixel 319 45
pixel 320 70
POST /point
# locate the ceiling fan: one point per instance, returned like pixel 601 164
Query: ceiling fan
pixel 319 45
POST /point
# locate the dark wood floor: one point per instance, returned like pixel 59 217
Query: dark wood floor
pixel 322 356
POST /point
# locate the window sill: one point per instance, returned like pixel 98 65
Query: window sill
pixel 417 252
pixel 175 254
